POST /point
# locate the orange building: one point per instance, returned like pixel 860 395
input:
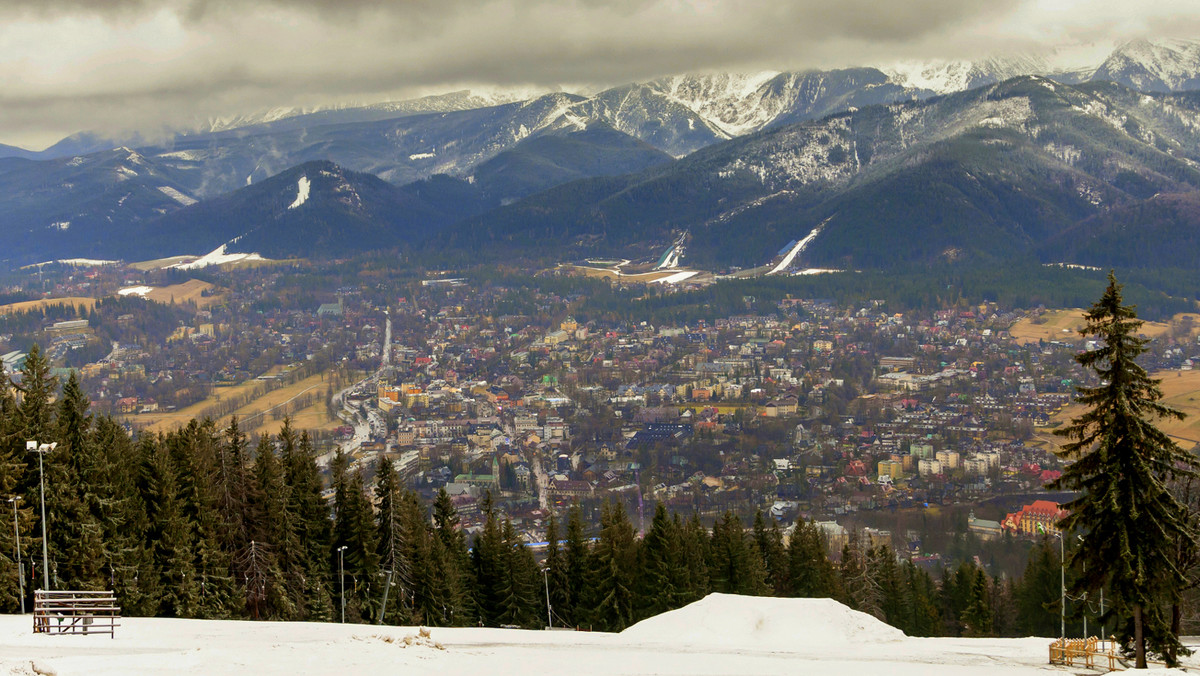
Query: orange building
pixel 1041 517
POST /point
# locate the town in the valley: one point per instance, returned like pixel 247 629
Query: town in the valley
pixel 929 430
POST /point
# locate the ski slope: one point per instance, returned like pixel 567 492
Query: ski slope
pixel 722 634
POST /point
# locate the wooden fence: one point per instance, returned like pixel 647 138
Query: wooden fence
pixel 75 612
pixel 1092 653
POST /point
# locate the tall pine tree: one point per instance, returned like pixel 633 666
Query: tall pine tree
pixel 1121 463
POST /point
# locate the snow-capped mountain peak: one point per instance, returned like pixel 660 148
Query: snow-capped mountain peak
pixel 734 101
pixel 1154 65
pixel 944 77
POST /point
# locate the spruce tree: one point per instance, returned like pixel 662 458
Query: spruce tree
pixel 12 469
pixel 125 522
pixel 454 563
pixel 977 616
pixel 33 420
pixel 266 561
pixel 519 583
pixel 1121 464
pixel 696 544
pixel 35 412
pixel 661 582
pixel 894 594
pixel 354 528
pixel 1038 593
pixel 769 542
pixel 487 562
pixel 573 608
pixel 810 572
pixel 395 541
pixel 614 564
pixel 922 618
pixel 734 564
pixel 173 536
pixel 310 513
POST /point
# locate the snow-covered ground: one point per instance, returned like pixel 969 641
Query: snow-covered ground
pixel 719 635
pixel 134 291
pixel 218 256
pixel 678 277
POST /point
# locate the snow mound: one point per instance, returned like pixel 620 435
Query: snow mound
pixel 760 623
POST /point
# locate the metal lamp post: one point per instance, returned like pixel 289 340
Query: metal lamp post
pixel 1062 585
pixel 20 566
pixel 342 575
pixel 42 450
pixel 549 616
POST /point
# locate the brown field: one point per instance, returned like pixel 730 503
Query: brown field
pixel 188 292
pixel 311 418
pixel 1063 325
pixel 257 414
pixel 24 306
pixel 162 422
pixel 1059 325
pixel 1181 390
pixel 255 417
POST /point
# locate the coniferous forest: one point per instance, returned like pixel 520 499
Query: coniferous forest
pixel 202 523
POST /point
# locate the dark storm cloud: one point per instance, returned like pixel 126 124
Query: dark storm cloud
pixel 67 65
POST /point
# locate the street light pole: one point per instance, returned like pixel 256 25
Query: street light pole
pixel 1062 587
pixel 342 575
pixel 20 566
pixel 549 618
pixel 42 450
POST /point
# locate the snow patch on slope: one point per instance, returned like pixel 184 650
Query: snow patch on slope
pixel 302 190
pixel 218 256
pixel 677 277
pixel 176 195
pixel 135 291
pixel 800 246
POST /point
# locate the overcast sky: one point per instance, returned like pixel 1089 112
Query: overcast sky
pixel 109 65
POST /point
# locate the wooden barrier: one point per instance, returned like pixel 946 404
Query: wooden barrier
pixel 1086 651
pixel 1091 652
pixel 75 612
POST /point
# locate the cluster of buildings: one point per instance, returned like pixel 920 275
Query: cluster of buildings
pixel 813 410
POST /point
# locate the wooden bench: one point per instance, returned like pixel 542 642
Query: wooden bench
pixel 75 612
